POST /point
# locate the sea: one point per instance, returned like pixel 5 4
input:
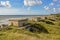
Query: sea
pixel 4 18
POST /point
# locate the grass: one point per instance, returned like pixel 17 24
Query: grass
pixel 17 34
pixel 13 33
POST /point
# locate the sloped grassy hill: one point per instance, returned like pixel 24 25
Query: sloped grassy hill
pixel 15 33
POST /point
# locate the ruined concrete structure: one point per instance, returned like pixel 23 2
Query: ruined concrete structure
pixel 17 22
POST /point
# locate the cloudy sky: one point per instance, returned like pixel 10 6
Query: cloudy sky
pixel 29 7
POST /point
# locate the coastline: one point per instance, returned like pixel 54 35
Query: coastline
pixel 4 18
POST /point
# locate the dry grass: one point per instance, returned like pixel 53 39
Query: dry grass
pixel 18 34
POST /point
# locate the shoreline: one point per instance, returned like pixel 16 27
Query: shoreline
pixel 3 21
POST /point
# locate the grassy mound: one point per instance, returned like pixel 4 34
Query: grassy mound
pixel 16 33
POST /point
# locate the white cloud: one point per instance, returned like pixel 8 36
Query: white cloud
pixel 54 9
pixel 14 11
pixel 46 8
pixel 58 5
pixel 8 4
pixel 5 4
pixel 55 0
pixel 51 4
pixel 6 11
pixel 32 2
pixel 58 9
pixel 29 8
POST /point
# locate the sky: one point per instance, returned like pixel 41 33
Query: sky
pixel 29 7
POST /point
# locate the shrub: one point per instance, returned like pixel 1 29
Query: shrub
pixel 49 22
pixel 46 18
pixel 37 28
pixel 41 20
pixel 52 19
